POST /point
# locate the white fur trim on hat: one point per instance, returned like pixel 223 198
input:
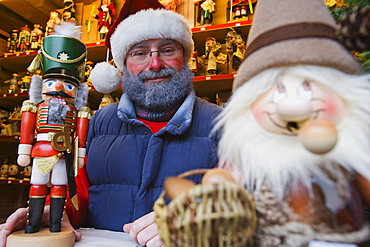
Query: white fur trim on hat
pixel 105 78
pixel 150 24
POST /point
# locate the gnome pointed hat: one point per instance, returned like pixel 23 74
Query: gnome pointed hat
pixel 139 21
pixel 293 32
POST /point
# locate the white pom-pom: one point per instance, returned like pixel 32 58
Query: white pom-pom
pixel 105 78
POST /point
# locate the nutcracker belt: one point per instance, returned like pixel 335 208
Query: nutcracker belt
pixel 46 164
pixel 45 136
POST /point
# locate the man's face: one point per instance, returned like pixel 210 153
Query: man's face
pixel 155 62
pixel 57 87
pixel 157 82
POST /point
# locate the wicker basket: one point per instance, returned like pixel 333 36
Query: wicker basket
pixel 212 215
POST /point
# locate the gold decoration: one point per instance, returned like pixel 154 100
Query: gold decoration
pixel 65 136
pixel 85 112
pixel 28 106
pixel 36 63
pixel 46 164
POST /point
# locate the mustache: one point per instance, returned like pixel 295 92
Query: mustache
pixel 60 94
pixel 156 74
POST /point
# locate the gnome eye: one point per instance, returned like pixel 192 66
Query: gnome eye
pixel 305 90
pixel 279 93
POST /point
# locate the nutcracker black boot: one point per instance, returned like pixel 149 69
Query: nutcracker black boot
pixel 57 200
pixel 37 197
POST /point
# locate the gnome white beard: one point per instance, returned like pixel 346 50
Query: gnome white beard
pixel 282 160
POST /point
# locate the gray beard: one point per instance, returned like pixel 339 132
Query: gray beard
pixel 57 113
pixel 158 96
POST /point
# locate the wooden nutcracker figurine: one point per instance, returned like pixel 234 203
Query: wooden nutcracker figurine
pixel 36 37
pixel 105 17
pixel 13 41
pixel 53 20
pixel 24 39
pixel 57 112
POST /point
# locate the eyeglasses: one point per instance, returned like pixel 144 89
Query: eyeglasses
pixel 142 56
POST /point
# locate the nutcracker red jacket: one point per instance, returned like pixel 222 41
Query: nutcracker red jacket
pixel 127 164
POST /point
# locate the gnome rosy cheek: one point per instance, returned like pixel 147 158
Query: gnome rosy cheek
pixel 318 136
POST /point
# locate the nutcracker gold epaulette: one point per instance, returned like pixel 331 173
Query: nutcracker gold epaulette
pixel 85 112
pixel 29 106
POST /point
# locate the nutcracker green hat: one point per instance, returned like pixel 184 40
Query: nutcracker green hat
pixel 62 54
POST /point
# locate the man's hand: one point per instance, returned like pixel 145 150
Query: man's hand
pixel 18 221
pixel 144 231
pixel 15 222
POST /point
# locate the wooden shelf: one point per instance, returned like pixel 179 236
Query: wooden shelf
pixel 228 25
pixel 14 181
pixel 214 77
pixel 209 86
pixel 18 62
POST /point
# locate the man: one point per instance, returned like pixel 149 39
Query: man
pixel 296 132
pixel 158 129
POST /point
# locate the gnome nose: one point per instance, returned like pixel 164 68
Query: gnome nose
pixel 59 87
pixel 294 109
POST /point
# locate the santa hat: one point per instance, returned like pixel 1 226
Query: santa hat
pixel 293 32
pixel 139 21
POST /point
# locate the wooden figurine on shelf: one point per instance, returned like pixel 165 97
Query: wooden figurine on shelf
pixel 212 51
pixel 13 83
pixel 53 20
pixel 106 100
pixel 301 105
pixel 240 12
pixel 235 47
pixel 105 16
pixel 13 171
pixel 69 11
pixel 240 8
pixel 206 8
pixel 24 39
pixel 37 72
pixel 36 37
pixel 193 63
pixel 26 172
pixel 13 41
pixel 56 111
pixel 26 80
pixel 171 4
pixel 4 169
pixel 89 66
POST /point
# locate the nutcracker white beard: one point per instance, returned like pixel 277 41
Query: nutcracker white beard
pixel 255 155
pixel 57 113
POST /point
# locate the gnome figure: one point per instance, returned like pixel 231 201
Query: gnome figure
pixel 56 111
pixel 296 130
